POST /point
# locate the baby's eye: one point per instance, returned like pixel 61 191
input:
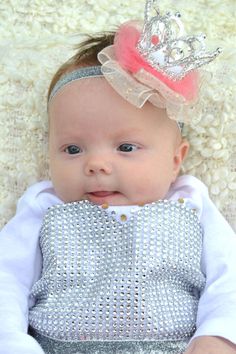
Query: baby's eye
pixel 127 147
pixel 73 149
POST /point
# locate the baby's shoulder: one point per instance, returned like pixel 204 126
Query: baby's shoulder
pixel 40 194
pixel 190 191
pixel 187 186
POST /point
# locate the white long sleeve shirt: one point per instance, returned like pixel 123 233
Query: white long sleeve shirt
pixel 21 263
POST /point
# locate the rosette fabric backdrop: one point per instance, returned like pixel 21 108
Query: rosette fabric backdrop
pixel 36 36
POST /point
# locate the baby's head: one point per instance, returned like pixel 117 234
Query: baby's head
pixel 114 128
pixel 103 148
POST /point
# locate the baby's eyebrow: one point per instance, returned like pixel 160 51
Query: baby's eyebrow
pixel 67 137
pixel 129 132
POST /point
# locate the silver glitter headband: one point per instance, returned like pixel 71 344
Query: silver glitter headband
pixel 78 74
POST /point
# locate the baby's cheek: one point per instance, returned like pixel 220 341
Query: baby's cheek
pixel 63 188
pixel 156 188
pixel 143 189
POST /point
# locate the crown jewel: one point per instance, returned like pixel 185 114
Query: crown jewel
pixel 165 47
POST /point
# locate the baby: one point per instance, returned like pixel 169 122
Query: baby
pixel 117 254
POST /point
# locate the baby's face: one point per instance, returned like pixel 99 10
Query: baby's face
pixel 105 150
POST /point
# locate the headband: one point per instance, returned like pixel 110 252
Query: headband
pixel 153 61
pixel 78 74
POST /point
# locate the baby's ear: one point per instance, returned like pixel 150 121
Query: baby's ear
pixel 179 156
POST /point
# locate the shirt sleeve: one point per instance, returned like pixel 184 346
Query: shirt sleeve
pixel 217 306
pixel 20 267
pixel 216 314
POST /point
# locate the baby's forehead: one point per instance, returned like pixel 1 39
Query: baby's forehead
pixel 95 97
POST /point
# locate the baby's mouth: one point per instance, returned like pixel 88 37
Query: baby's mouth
pixel 100 197
pixel 102 194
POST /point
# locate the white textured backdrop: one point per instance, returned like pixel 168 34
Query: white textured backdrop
pixel 38 35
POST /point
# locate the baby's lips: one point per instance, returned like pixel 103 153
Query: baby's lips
pixel 102 194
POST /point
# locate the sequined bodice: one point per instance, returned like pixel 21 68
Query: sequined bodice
pixel 104 280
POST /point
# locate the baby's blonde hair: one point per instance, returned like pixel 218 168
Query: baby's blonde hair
pixel 86 55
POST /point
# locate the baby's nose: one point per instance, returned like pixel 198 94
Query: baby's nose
pixel 98 165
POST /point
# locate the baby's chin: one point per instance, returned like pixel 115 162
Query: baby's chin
pixel 113 198
pixel 117 199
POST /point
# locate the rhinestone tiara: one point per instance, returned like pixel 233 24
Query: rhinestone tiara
pixel 166 48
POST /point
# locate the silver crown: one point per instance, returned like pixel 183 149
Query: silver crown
pixel 165 47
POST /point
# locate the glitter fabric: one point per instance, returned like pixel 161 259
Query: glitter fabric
pixel 51 346
pixel 107 280
pixel 81 73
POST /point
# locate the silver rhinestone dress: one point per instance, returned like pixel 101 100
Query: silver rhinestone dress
pixel 118 283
